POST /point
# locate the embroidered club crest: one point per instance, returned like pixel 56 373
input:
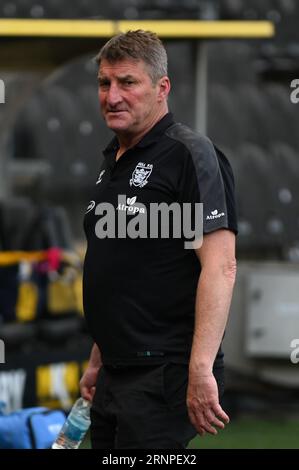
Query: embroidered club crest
pixel 140 174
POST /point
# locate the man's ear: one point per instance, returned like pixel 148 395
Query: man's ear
pixel 164 88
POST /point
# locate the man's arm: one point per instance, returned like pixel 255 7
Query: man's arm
pixel 89 378
pixel 214 292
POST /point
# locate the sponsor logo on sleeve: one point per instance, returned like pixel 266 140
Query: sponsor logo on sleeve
pixel 215 215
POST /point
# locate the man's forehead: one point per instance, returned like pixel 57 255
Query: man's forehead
pixel 122 67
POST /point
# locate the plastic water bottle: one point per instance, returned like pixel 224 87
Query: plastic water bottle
pixel 75 427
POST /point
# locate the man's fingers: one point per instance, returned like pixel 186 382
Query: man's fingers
pixel 209 428
pixel 193 419
pixel 212 419
pixel 205 420
pixel 200 423
pixel 220 413
pixel 203 404
pixel 92 392
pixel 87 393
pixel 195 424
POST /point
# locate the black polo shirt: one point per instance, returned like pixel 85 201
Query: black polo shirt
pixel 139 293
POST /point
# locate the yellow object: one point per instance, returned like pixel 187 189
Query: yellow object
pixel 164 28
pixel 26 306
pixel 8 258
pixel 61 298
pixel 43 382
pixel 72 377
pixel 78 292
pixel 57 384
pixel 202 29
pixel 14 257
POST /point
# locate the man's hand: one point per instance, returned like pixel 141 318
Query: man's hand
pixel 203 405
pixel 88 383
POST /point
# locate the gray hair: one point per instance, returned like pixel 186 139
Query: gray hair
pixel 137 45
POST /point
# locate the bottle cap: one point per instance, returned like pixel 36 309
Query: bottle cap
pixel 85 403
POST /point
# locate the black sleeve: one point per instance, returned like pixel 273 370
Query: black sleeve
pixel 229 189
pixel 207 177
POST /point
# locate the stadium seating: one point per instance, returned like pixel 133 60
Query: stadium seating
pixel 54 128
pixel 224 124
pixel 57 9
pixel 17 217
pixel 282 12
pixel 18 336
pixel 38 300
pixel 267 197
pixel 254 9
pixel 284 116
pixel 28 227
pixel 253 196
pixel 285 188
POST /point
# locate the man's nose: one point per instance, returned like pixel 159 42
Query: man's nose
pixel 114 96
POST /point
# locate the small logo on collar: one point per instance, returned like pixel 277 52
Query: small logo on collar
pixel 100 176
pixel 90 206
pixel 141 174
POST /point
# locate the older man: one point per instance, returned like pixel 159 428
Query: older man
pixel 156 310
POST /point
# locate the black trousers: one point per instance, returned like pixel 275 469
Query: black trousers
pixel 138 407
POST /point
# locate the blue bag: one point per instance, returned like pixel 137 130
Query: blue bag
pixel 30 428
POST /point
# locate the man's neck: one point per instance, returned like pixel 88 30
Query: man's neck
pixel 127 141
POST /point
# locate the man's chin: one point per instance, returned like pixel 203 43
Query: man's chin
pixel 116 128
pixel 117 124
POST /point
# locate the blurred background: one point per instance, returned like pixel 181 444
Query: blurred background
pixel 51 141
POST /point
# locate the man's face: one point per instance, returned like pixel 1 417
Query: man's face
pixel 129 100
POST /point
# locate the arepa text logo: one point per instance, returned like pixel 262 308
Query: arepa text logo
pixel 2 92
pixel 2 352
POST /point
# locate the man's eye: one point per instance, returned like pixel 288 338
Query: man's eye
pixel 129 82
pixel 103 83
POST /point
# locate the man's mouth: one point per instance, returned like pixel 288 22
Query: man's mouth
pixel 116 111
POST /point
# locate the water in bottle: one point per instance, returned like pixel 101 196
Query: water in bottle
pixel 75 427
